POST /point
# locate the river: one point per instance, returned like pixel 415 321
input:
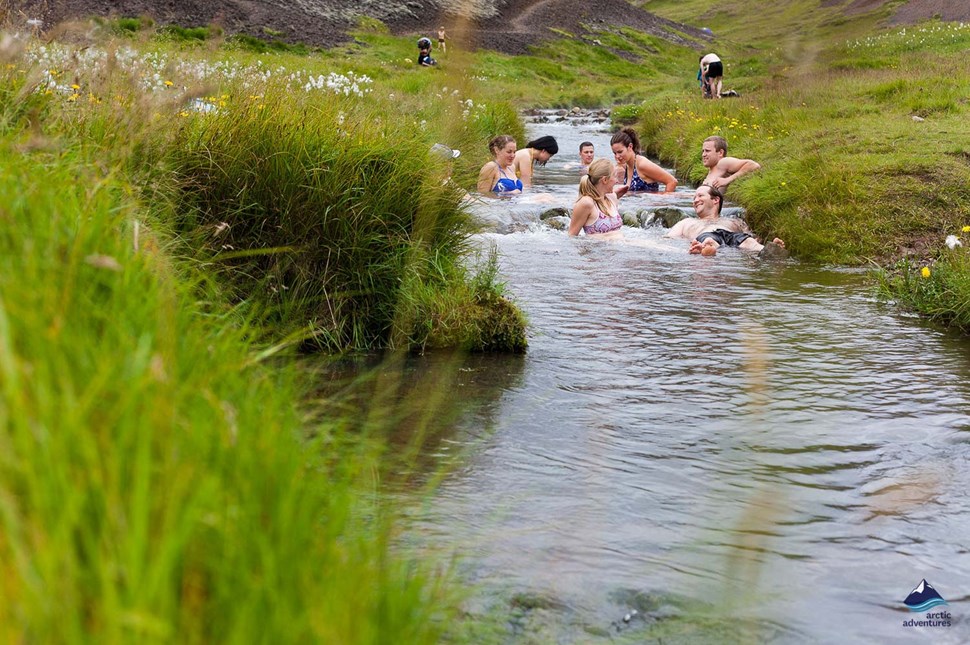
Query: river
pixel 717 449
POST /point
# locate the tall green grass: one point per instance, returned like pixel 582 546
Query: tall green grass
pixel 332 219
pixel 321 208
pixel 160 476
pixel 155 483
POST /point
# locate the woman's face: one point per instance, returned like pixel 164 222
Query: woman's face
pixel 623 154
pixel 606 184
pixel 505 156
pixel 543 156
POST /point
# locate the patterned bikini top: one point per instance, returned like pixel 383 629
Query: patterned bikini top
pixel 604 223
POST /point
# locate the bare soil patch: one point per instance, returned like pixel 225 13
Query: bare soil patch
pixel 512 26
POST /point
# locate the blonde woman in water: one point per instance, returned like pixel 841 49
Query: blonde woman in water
pixel 596 212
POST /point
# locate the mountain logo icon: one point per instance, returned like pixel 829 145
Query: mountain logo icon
pixel 923 597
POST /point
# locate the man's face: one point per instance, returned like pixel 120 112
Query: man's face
pixel 586 155
pixel 704 204
pixel 710 156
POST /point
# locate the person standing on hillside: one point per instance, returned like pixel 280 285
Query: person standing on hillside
pixel 721 169
pixel 441 40
pixel 712 70
pixel 705 88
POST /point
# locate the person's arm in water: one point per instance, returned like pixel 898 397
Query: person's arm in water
pixel 620 188
pixel 487 178
pixel 523 166
pixel 730 168
pixel 581 212
pixel 647 168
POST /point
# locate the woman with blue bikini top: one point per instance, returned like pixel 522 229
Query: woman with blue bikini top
pixel 595 211
pixel 642 175
pixel 498 177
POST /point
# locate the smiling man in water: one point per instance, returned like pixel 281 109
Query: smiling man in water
pixel 709 231
pixel 586 154
pixel 721 169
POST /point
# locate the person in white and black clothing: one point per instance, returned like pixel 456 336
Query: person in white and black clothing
pixel 424 53
pixel 711 72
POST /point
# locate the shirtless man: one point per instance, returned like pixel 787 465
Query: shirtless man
pixel 709 231
pixel 721 169
pixel 586 154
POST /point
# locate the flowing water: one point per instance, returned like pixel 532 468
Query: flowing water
pixel 737 449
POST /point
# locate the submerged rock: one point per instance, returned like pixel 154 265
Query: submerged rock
pixel 554 212
pixel 668 216
pixel 773 251
pixel 559 223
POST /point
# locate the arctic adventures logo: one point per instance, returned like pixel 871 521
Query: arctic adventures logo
pixel 923 598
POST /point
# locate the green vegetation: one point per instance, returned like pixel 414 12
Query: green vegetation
pixel 940 289
pixel 854 127
pixel 167 233
pixel 153 488
pixel 161 477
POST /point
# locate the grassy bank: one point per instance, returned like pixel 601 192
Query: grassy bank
pixel 159 478
pixel 857 127
pixel 310 193
pixel 153 486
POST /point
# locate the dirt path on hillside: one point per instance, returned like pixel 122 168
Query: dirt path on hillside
pixel 518 25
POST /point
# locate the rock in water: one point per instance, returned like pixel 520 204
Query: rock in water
pixel 774 251
pixel 669 216
pixel 553 212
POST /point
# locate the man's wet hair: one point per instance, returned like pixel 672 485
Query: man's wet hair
pixel 715 194
pixel 584 144
pixel 720 143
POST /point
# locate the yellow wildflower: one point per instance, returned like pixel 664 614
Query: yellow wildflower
pixel 966 229
pixel 925 272
pixel 169 83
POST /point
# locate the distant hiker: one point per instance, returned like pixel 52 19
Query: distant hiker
pixel 705 86
pixel 709 231
pixel 441 39
pixel 586 154
pixel 497 177
pixel 536 152
pixel 424 53
pixel 721 169
pixel 640 174
pixel 712 70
